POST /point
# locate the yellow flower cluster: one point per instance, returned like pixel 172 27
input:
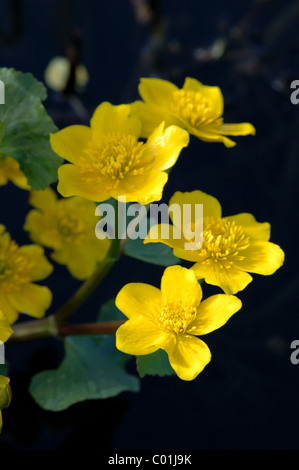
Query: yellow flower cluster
pixel 127 151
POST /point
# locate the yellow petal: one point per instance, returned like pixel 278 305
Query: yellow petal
pixel 42 229
pixel 140 336
pixel 180 284
pixel 210 134
pixel 213 313
pixel 144 188
pixel 167 234
pixel 212 93
pixel 157 92
pixel 31 299
pixel 108 118
pixel 40 268
pixel 149 117
pixel 257 230
pixel 188 255
pixel 243 128
pixel 231 280
pixel 80 261
pixel 72 182
pixel 166 145
pixel 137 299
pixel 45 200
pixel 189 356
pixel 7 308
pixel 211 206
pixel 5 329
pixel 71 143
pixel 261 258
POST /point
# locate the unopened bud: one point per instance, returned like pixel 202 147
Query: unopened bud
pixel 5 392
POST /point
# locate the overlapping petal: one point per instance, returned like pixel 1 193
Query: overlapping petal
pixel 137 299
pixel 140 336
pixel 178 283
pixel 189 356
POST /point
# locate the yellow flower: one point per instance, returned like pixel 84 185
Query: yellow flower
pixel 171 318
pixel 10 171
pixel 107 159
pixel 68 227
pixel 229 247
pixel 196 107
pixel 5 395
pixel 20 267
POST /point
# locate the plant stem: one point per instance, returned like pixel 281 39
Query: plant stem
pixel 34 329
pixel 104 328
pixel 87 288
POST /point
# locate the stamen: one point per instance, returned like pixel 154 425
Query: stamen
pixel 115 156
pixel 194 108
pixel 223 242
pixel 175 316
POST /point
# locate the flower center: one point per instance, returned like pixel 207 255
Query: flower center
pixel 72 228
pixel 115 156
pixel 223 241
pixel 15 268
pixel 175 317
pixel 194 108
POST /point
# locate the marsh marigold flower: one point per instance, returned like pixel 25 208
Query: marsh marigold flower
pixel 196 107
pixel 20 267
pixel 171 318
pixel 10 171
pixel 231 246
pixel 107 159
pixel 68 227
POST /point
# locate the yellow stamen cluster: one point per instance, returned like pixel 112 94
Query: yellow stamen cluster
pixel 115 156
pixel 193 107
pixel 223 241
pixel 15 268
pixel 176 317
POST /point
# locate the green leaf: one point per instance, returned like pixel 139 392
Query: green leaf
pixel 25 135
pixel 154 253
pixel 156 363
pixel 110 312
pixel 92 369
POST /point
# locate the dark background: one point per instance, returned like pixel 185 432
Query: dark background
pixel 247 397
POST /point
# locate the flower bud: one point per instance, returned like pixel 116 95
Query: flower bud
pixel 5 392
